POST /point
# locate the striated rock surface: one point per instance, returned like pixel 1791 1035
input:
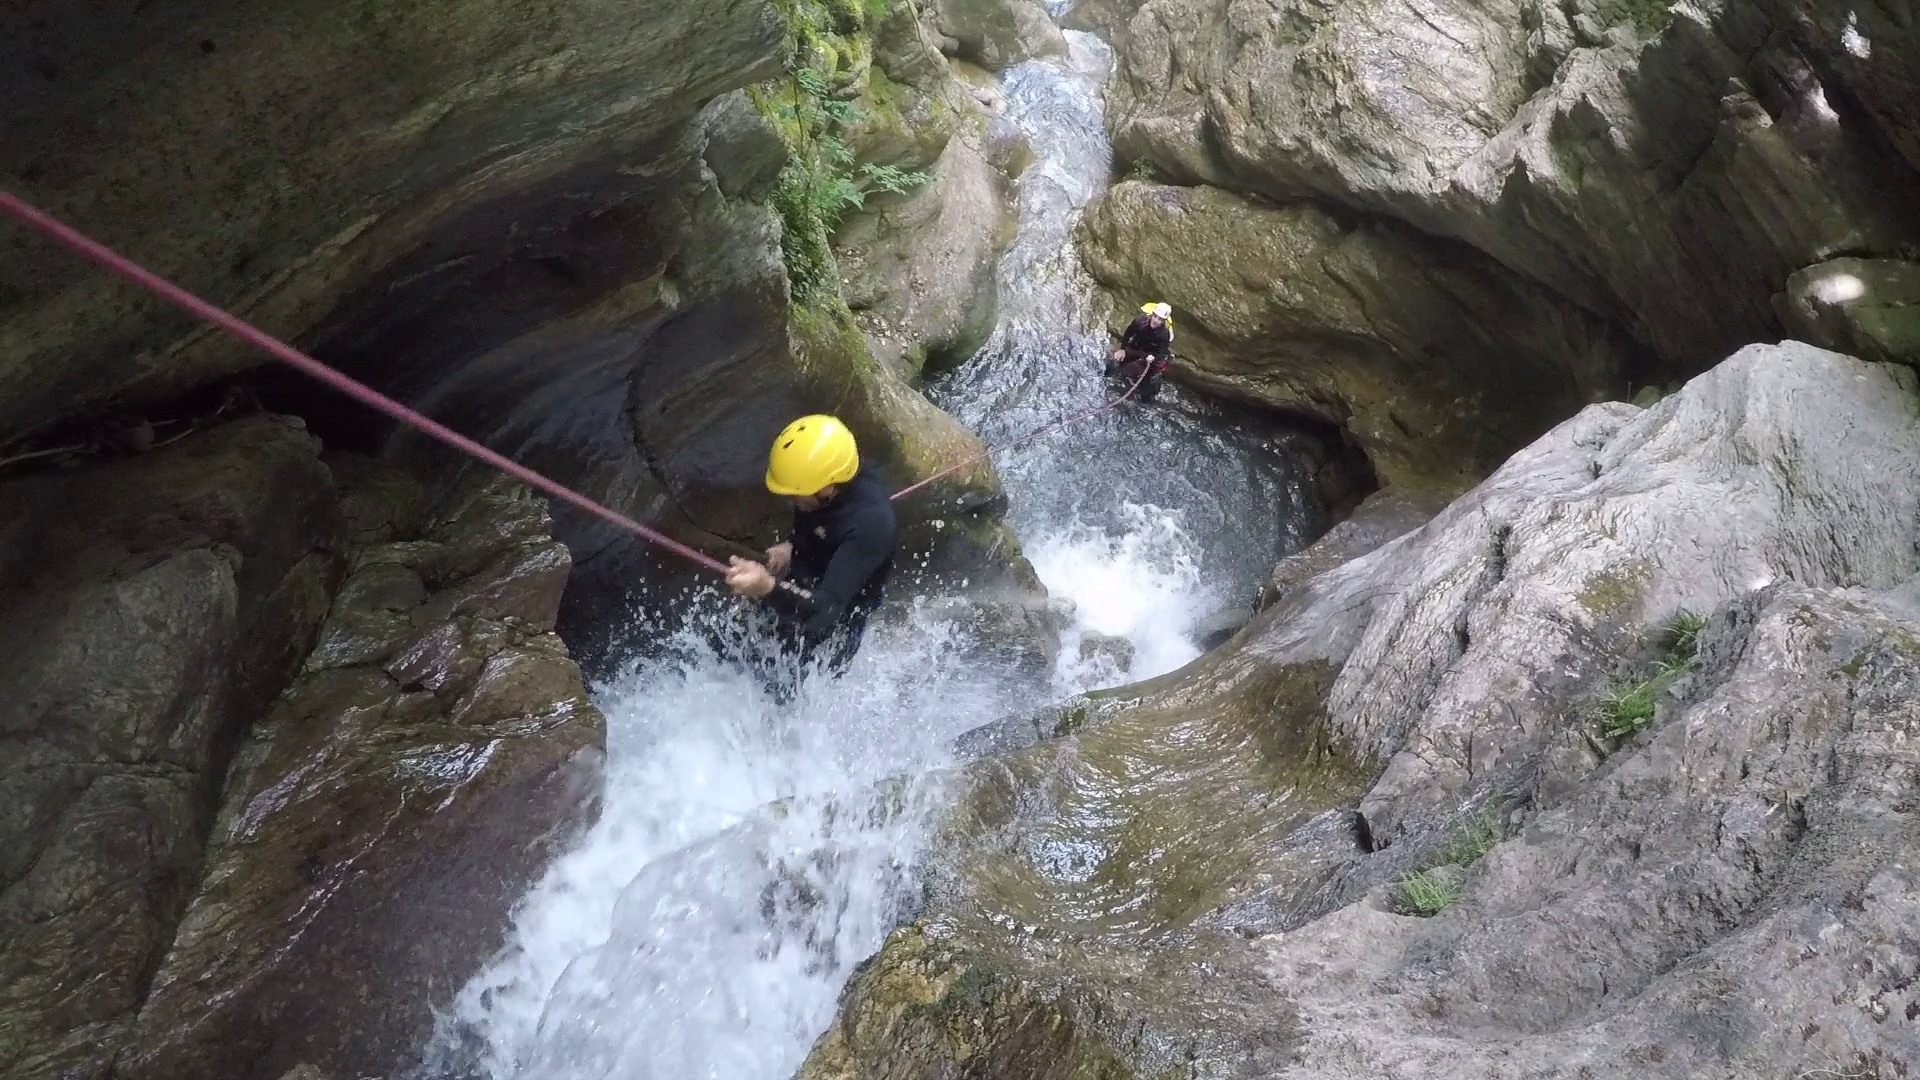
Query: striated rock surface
pixel 1435 359
pixel 154 606
pixel 550 227
pixel 374 137
pixel 384 816
pixel 1664 170
pixel 1645 852
pixel 918 268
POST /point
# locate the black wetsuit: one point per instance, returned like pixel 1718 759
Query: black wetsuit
pixel 843 556
pixel 1153 344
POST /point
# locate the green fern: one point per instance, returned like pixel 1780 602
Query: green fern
pixel 824 179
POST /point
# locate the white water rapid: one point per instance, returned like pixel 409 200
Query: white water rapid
pixel 692 933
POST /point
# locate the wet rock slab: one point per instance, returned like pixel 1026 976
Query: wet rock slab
pixel 152 608
pixel 388 811
pixel 1725 889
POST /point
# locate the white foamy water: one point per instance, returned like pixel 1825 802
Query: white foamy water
pixel 748 855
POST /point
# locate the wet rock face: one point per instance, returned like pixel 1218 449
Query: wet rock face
pixel 204 881
pixel 1642 853
pixel 1666 172
pixel 996 34
pixel 154 606
pixel 1437 360
pixel 918 269
pixel 380 131
pixel 392 806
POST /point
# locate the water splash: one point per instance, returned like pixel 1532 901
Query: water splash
pixel 748 856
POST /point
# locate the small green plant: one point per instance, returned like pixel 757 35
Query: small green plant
pixel 1143 170
pixel 1628 707
pixel 822 180
pixel 1477 836
pixel 1425 894
pixel 1681 634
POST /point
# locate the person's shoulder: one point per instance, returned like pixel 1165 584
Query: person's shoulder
pixel 876 502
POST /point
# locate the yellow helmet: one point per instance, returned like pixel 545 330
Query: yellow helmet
pixel 1155 307
pixel 811 453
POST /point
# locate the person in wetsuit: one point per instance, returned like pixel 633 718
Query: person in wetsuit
pixel 827 578
pixel 1147 339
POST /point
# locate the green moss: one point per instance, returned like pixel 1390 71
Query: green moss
pixel 1650 17
pixel 830 60
pixel 1615 592
pixel 1852 668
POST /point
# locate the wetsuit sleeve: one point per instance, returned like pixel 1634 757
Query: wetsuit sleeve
pixel 847 571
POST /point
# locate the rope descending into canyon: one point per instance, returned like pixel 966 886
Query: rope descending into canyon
pixel 1027 438
pixel 113 261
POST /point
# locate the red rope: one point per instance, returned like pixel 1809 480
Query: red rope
pixel 117 263
pixel 1062 422
pixel 139 275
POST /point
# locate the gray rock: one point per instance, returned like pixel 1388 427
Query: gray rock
pixel 1868 308
pixel 1661 169
pixel 1181 880
pixel 1108 649
pixel 1217 627
pixel 379 824
pixel 377 139
pixel 920 268
pixel 1436 360
pixel 154 607
pixel 1383 516
pixel 998 34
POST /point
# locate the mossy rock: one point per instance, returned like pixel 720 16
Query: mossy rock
pixel 924 1006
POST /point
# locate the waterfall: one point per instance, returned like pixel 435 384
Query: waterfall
pixel 749 855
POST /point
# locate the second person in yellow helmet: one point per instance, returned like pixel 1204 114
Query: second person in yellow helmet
pixel 1146 349
pixel 839 550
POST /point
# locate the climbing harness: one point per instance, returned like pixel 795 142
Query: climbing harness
pixel 108 259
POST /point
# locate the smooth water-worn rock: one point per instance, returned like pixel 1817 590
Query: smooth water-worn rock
pixel 278 159
pixel 1381 517
pixel 1205 870
pixel 1438 361
pixel 383 817
pixel 1868 308
pixel 918 268
pixel 154 606
pixel 1662 170
pixel 996 34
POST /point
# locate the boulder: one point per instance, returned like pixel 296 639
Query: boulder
pixel 996 34
pixel 1436 360
pixel 1405 822
pixel 919 269
pixel 1109 649
pixel 155 605
pixel 384 817
pixel 1664 166
pixel 1868 308
pixel 1650 186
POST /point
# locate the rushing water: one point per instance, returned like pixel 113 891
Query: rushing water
pixel 747 855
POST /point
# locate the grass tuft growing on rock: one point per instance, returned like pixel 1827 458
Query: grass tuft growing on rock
pixel 1431 891
pixel 1481 833
pixel 1426 894
pixel 1629 707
